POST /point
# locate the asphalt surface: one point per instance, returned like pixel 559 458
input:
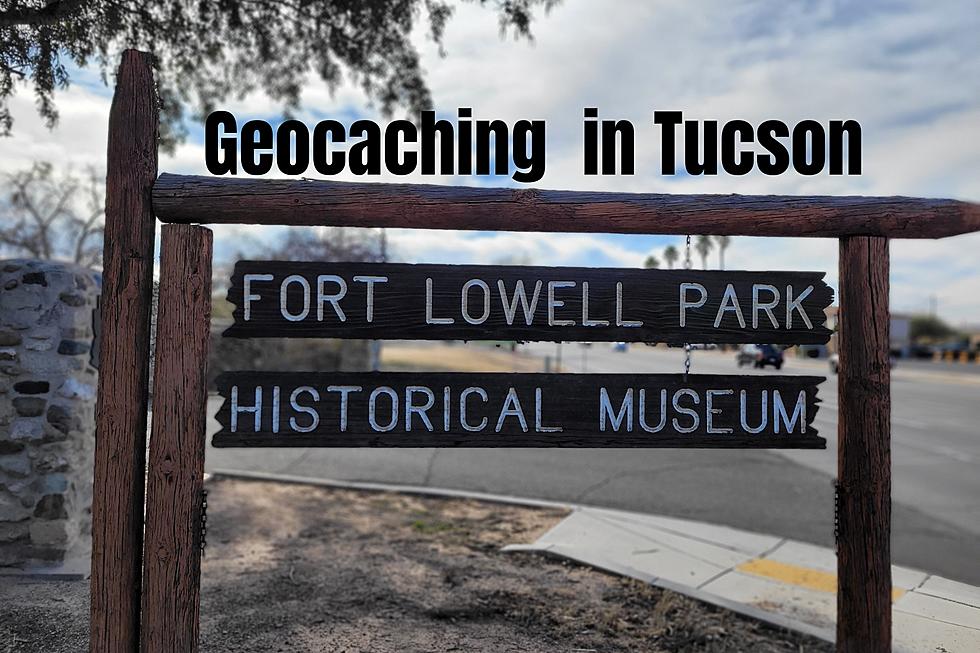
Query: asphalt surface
pixel 935 457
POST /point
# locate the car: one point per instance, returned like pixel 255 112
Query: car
pixel 746 355
pixel 620 346
pixel 760 356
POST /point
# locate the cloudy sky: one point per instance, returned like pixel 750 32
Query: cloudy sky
pixel 909 72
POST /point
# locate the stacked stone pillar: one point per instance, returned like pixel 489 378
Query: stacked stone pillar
pixel 48 381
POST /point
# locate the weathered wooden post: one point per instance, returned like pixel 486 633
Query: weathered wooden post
pixel 172 562
pixel 864 585
pixel 120 446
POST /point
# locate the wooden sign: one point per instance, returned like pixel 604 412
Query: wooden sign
pixel 405 409
pixel 471 302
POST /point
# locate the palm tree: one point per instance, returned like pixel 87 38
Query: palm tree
pixel 671 255
pixel 704 245
pixel 723 243
pixel 651 262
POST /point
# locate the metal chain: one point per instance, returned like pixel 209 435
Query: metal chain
pixel 204 521
pixel 687 346
pixel 836 515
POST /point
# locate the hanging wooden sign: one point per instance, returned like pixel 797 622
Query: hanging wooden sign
pixel 405 409
pixel 473 302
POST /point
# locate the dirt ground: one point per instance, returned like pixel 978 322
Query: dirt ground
pixel 301 568
pixel 443 357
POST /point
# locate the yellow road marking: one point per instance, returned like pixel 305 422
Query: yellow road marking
pixel 813 579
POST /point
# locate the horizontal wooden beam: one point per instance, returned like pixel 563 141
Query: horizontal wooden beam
pixel 225 200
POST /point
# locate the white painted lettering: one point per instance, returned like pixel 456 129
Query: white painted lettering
pixel 314 416
pixel 370 281
pixel 462 408
pixel 510 306
pixel 710 411
pixel 690 412
pixel 511 408
pixel 465 299
pixel 247 294
pixel 429 319
pixel 606 411
pixel 412 409
pixel 557 303
pixel 767 306
pixel 283 290
pixel 344 391
pixel 334 298
pixel 373 406
pixel 685 304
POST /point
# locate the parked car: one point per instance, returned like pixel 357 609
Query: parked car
pixel 759 356
pixel 746 355
pixel 620 346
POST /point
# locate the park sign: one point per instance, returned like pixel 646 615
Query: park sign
pixel 146 547
pixel 472 302
pixel 408 409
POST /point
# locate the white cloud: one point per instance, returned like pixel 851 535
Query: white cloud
pixel 908 71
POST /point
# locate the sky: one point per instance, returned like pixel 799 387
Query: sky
pixel 909 72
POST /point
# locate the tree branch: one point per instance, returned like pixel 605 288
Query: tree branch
pixel 51 13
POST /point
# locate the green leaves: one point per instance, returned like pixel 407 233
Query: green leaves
pixel 208 52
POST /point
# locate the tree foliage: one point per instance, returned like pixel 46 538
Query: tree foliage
pixel 207 51
pixel 703 245
pixel 930 328
pixel 52 216
pixel 723 243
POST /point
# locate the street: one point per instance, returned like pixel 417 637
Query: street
pixel 935 456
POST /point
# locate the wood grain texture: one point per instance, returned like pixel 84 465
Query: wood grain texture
pixel 172 561
pixel 120 442
pixel 864 450
pixel 398 309
pixel 179 198
pixel 569 401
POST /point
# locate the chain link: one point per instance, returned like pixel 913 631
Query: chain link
pixel 204 521
pixel 836 515
pixel 687 347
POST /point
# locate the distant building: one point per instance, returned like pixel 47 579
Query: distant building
pixel 900 332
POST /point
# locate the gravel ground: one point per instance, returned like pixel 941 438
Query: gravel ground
pixel 300 568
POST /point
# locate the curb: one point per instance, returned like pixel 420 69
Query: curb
pixel 391 487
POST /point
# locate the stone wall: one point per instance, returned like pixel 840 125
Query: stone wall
pixel 48 381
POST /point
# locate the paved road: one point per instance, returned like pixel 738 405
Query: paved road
pixel 936 465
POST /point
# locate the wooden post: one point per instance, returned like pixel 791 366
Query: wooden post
pixel 864 453
pixel 120 442
pixel 172 563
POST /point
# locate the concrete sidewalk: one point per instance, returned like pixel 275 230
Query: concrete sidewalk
pixel 787 583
